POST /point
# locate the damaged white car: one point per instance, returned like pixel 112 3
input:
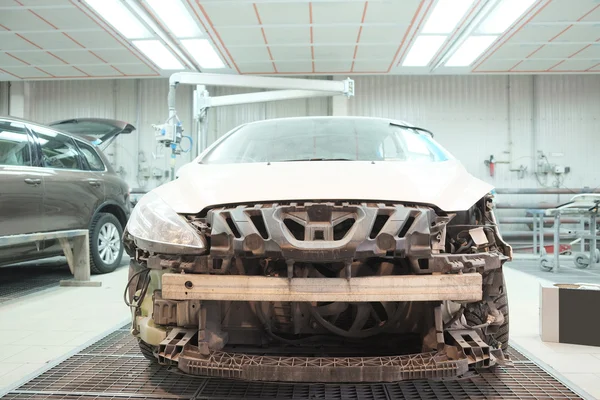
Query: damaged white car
pixel 320 249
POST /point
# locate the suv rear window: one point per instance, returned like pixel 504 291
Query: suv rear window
pixel 58 151
pixel 93 159
pixel 14 144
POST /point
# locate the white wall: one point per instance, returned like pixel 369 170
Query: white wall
pixel 477 116
pixel 143 103
pixel 473 116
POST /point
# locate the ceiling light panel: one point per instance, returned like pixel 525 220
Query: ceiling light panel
pixel 503 16
pixel 423 50
pixel 203 52
pixel 158 53
pixel 118 15
pixel 446 15
pixel 176 17
pixel 470 50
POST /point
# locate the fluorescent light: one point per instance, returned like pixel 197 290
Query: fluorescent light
pixel 446 15
pixel 470 50
pixel 423 50
pixel 158 53
pixel 119 16
pixel 503 16
pixel 177 18
pixel 203 53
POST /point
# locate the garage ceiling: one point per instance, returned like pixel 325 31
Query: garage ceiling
pixel 70 39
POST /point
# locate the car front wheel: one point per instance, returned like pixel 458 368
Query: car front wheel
pixel 106 243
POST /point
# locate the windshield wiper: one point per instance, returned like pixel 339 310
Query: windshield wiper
pixel 318 159
pixel 416 128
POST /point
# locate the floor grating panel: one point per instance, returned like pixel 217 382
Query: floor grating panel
pixel 23 280
pixel 124 375
pixel 113 368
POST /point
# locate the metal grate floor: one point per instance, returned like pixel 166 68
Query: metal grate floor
pixel 27 279
pixel 113 368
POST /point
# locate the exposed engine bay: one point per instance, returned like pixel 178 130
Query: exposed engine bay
pixel 382 291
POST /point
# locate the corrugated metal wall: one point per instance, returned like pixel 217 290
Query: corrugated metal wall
pixel 143 103
pixel 478 116
pixel 474 117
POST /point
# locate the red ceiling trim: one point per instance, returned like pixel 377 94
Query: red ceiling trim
pixel 46 72
pixel 29 41
pixel 128 47
pixel 323 73
pixel 83 72
pixel 95 76
pixel 362 21
pixel 10 73
pixel 209 34
pixel 74 41
pixel 415 33
pixel 558 35
pixel 118 70
pixel 587 71
pixel 212 26
pixel 516 65
pixel 57 57
pixel 414 18
pixel 68 36
pixel 495 48
pixel 555 65
pixel 592 67
pixel 264 36
pixel 17 58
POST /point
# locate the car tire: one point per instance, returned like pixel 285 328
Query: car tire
pixel 477 315
pixel 147 351
pixel 105 228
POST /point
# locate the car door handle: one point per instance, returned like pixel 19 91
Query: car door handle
pixel 32 181
pixel 95 183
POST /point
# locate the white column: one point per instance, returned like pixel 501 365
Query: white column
pixel 339 104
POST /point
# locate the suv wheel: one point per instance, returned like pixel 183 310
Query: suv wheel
pixel 106 243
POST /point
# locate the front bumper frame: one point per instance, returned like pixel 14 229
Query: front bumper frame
pixel 438 287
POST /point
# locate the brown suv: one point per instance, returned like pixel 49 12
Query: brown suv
pixel 51 180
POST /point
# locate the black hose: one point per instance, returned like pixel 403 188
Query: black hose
pixel 144 287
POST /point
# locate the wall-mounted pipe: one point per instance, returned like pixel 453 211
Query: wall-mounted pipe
pixel 529 235
pixel 584 190
pixel 529 220
pixel 523 206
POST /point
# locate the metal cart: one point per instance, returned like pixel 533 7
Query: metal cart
pixel 584 206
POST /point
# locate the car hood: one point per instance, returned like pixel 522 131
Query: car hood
pixel 446 185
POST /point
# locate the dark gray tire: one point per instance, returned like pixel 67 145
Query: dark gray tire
pixel 477 315
pixel 147 351
pixel 99 264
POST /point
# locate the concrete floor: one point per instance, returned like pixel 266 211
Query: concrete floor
pixel 62 320
pixel 578 364
pixel 39 330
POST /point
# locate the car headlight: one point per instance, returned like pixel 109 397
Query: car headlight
pixel 156 227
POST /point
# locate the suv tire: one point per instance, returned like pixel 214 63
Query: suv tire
pixel 106 243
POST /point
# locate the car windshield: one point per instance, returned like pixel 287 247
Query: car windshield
pixel 325 140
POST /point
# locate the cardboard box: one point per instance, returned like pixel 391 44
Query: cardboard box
pixel 569 314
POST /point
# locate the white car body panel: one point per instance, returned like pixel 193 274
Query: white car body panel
pixel 446 184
